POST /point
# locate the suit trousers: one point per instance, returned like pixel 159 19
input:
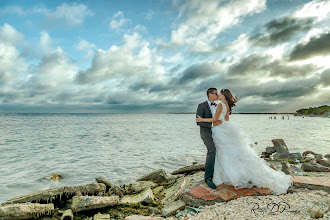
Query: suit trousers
pixel 211 152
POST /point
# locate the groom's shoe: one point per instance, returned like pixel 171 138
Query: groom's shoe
pixel 210 183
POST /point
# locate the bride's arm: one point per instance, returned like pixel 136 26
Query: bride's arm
pixel 214 119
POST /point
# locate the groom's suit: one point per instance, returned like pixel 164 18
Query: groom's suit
pixel 204 111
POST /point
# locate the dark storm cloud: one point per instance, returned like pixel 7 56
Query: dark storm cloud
pixel 249 65
pixel 325 78
pixel 281 30
pixel 263 65
pixel 316 46
pixel 201 70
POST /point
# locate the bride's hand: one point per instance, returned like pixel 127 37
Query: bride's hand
pixel 198 119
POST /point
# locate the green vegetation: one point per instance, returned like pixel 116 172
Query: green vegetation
pixel 314 111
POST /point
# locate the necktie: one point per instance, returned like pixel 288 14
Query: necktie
pixel 214 104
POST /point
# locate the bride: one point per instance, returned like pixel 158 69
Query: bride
pixel 236 162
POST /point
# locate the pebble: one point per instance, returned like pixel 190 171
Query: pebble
pixel 307 204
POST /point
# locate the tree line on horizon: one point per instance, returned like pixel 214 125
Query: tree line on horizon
pixel 314 111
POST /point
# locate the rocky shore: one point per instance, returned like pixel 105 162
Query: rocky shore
pixel 159 195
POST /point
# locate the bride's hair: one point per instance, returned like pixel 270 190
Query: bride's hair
pixel 231 100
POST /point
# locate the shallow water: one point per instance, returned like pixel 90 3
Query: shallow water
pixel 122 147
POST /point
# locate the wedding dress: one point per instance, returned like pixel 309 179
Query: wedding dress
pixel 238 164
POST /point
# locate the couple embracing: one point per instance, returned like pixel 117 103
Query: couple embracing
pixel 231 158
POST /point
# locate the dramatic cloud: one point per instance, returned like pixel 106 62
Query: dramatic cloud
pixel 203 22
pixel 281 30
pixel 261 65
pixel 133 59
pixel 316 46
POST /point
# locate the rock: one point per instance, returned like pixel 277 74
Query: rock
pixel 67 215
pixel 106 182
pixel 145 196
pixel 100 216
pixel 171 193
pixel 295 169
pixel 139 186
pixel 270 150
pixel 316 213
pixel 189 169
pixel 280 146
pixel 286 169
pixel 82 203
pixel 289 157
pixel 68 191
pixel 323 162
pixel 316 156
pixel 172 208
pixel 141 217
pixel 314 167
pixel 116 190
pixel 327 156
pixel 157 176
pixel 54 177
pixel 25 210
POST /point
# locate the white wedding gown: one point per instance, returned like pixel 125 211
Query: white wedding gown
pixel 238 164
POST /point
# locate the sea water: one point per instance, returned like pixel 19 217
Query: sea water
pixel 122 147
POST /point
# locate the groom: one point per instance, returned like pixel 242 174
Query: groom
pixel 204 110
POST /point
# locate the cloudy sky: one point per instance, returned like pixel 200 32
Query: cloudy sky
pixel 158 56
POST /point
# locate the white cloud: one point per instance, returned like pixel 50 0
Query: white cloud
pixel 87 47
pixel 71 14
pixel 11 65
pixel 133 60
pixel 205 20
pixel 13 10
pixel 8 34
pixel 318 9
pixel 118 20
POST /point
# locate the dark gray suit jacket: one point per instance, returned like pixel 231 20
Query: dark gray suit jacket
pixel 204 111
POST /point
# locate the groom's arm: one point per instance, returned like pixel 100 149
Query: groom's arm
pixel 200 112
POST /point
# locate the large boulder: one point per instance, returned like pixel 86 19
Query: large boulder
pixel 270 150
pixel 280 146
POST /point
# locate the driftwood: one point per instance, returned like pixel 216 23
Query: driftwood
pixel 25 210
pixel 55 193
pixel 189 169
